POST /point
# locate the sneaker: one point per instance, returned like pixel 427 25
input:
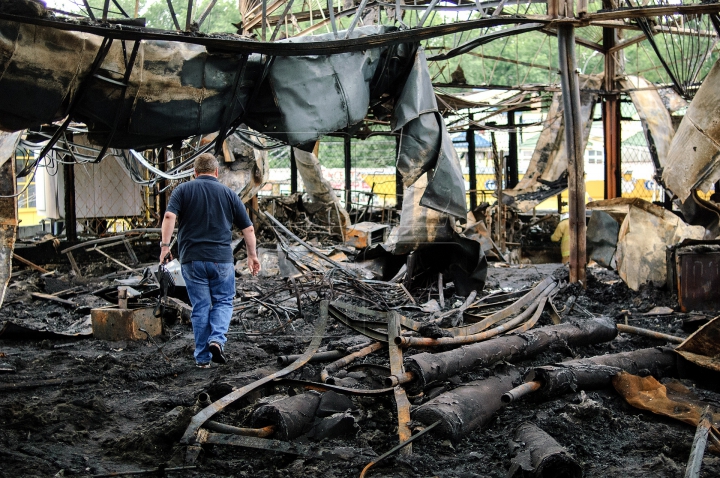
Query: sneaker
pixel 202 365
pixel 217 353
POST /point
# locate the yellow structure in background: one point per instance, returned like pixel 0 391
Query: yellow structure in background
pixel 384 185
pixel 25 188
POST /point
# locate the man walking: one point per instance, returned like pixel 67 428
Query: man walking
pixel 207 210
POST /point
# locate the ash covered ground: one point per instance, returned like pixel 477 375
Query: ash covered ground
pixel 137 401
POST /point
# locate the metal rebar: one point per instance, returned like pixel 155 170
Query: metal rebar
pixel 519 392
pixel 629 329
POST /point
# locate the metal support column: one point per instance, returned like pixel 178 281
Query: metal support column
pixel 348 172
pixel 472 170
pixel 573 144
pixel 512 163
pixel 70 215
pixel 399 187
pixel 611 120
pixel 293 171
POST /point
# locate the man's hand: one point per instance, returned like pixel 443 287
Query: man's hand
pixel 254 265
pixel 165 255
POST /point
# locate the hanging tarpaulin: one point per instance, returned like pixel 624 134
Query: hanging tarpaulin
pixel 546 175
pixel 654 116
pixel 692 161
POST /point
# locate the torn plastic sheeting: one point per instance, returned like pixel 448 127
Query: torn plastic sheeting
pixel 40 331
pixel 245 169
pixel 317 187
pixel 693 159
pixel 703 346
pixel 549 160
pixel 700 212
pixel 419 226
pixel 8 223
pixel 8 144
pixel 602 237
pixel 646 231
pixel 425 145
pixel 654 117
pixel 673 399
pixel 176 90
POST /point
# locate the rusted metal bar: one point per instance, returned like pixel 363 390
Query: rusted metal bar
pixel 597 372
pixel 347 360
pixel 205 414
pixel 395 380
pixel 207 10
pixel 468 407
pixel 430 368
pixel 535 453
pixel 573 145
pixel 519 392
pixel 267 444
pixel 469 339
pixel 291 416
pixel 288 6
pixel 247 432
pixel 629 329
pixel 188 17
pixel 106 6
pixel 365 470
pixel 611 116
pixel 324 387
pixel 396 368
pixel 699 443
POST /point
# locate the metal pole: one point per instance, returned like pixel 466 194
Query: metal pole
pixel 188 18
pixel 348 172
pixel 70 217
pixel 293 172
pixel 573 144
pixel 512 165
pixel 472 171
pixel 399 187
pixel 611 116
pixel 106 6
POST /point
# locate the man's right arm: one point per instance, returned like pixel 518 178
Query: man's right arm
pixel 166 232
pixel 250 242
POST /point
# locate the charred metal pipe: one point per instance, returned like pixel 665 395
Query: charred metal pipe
pixel 318 357
pixel 519 392
pixel 469 339
pixel 395 380
pixel 203 400
pixel 247 432
pixel 291 416
pixel 347 360
pixel 597 372
pixel 428 368
pixel 537 454
pixel 467 407
pixel 699 443
pixel 629 329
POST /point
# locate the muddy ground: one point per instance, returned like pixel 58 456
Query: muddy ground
pixel 136 403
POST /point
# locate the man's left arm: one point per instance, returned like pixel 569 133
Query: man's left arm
pixel 250 242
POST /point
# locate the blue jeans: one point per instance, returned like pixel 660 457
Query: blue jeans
pixel 211 288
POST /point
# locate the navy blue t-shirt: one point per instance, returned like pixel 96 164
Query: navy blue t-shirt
pixel 206 211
